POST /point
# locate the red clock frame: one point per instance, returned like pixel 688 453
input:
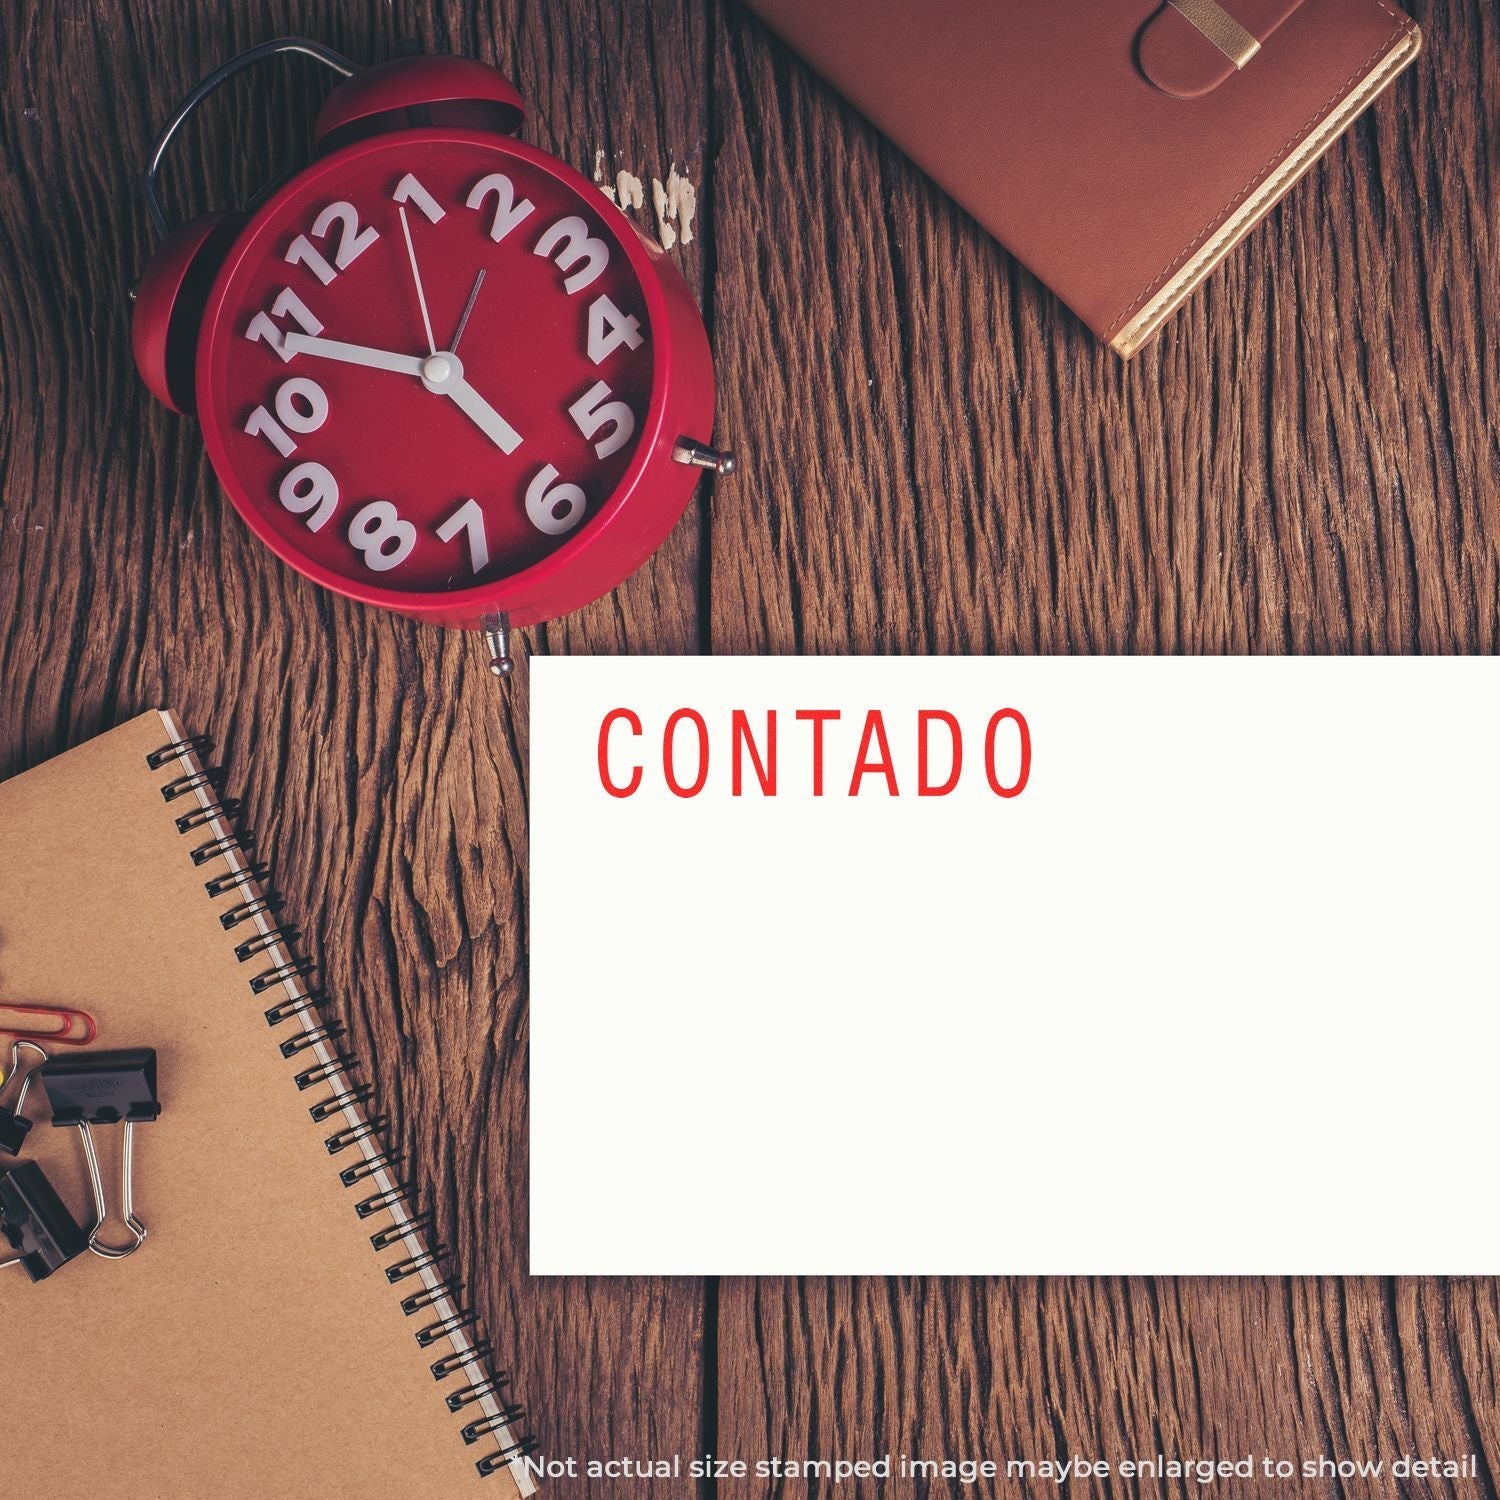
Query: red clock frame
pixel 180 326
pixel 634 519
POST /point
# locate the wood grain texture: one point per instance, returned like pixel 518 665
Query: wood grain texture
pixel 936 457
pixel 1118 1369
pixel 1306 461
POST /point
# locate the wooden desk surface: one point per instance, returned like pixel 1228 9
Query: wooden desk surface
pixel 936 458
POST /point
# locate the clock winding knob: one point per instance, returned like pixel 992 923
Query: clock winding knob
pixel 701 456
pixel 496 629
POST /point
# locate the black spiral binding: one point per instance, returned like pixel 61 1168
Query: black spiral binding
pixel 243 889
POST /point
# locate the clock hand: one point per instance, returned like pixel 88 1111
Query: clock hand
pixel 483 415
pixel 416 277
pixel 463 320
pixel 353 354
pixel 443 375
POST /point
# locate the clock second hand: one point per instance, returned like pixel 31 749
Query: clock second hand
pixel 463 317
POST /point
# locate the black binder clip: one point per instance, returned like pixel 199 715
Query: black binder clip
pixel 14 1126
pixel 36 1224
pixel 106 1088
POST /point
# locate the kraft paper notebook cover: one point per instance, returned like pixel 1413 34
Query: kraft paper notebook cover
pixel 1118 148
pixel 254 1345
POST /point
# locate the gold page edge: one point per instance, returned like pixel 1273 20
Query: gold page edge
pixel 1140 330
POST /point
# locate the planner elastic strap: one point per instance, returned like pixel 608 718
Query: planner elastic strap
pixel 1219 27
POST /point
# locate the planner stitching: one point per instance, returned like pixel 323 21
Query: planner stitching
pixel 1403 23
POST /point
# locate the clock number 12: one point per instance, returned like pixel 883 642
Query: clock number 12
pixel 353 242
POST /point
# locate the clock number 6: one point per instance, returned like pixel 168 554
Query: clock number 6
pixel 301 406
pixel 553 508
pixel 384 538
pixel 594 410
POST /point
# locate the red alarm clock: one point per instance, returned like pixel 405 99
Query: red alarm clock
pixel 437 369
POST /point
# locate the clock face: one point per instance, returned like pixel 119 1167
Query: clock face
pixel 428 364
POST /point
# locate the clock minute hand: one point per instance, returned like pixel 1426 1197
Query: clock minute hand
pixel 440 373
pixel 416 276
pixel 353 354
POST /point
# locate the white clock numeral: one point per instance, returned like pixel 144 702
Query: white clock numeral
pixel 353 242
pixel 553 508
pixel 593 410
pixel 311 488
pixel 409 190
pixel 300 404
pixel 468 518
pixel 508 213
pixel 303 252
pixel 610 329
pixel 568 242
pixel 385 539
pixel 287 305
pixel 263 424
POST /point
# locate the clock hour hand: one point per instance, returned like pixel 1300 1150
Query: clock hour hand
pixel 353 354
pixel 443 374
pixel 484 416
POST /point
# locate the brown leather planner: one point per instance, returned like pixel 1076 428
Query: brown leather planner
pixel 1118 148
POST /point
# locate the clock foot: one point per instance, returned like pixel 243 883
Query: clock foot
pixel 496 629
pixel 701 456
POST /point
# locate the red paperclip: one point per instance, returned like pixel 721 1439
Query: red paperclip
pixel 47 1023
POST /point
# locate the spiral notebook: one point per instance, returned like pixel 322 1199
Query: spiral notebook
pixel 286 1329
